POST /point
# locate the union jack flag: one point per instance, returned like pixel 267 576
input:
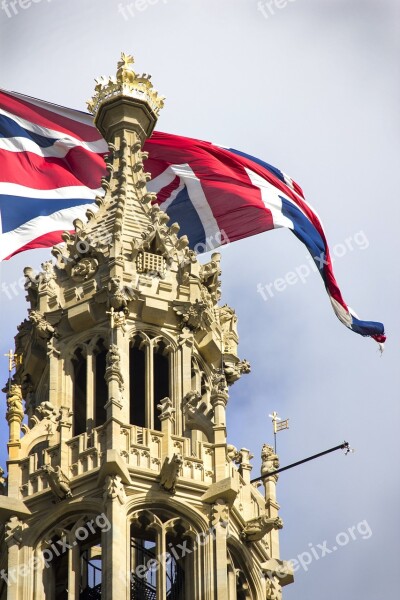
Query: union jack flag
pixel 51 164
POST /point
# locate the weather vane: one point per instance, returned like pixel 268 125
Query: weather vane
pixel 14 360
pixel 278 425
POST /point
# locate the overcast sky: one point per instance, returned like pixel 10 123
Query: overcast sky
pixel 312 87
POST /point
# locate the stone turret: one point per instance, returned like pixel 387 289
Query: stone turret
pixel 121 483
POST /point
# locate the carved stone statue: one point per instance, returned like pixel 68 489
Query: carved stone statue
pixel 113 365
pixel 169 473
pixel 31 287
pixel 46 410
pixel 234 371
pixel 43 328
pixel 58 482
pixel 232 453
pixel 14 401
pixel 119 295
pixel 270 461
pixel 219 384
pixel 257 528
pixel 46 279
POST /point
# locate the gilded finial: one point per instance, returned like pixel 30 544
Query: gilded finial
pixel 126 83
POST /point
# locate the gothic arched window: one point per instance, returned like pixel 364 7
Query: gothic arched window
pixel 100 385
pixel 162 558
pixel 149 374
pixel 79 392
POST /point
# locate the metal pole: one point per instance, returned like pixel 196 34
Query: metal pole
pixel 343 446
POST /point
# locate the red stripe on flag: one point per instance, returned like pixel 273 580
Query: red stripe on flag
pixel 46 240
pixel 79 167
pixel 49 118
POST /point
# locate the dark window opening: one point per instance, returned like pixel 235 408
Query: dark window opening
pixel 38 451
pixel 79 391
pixel 100 388
pixel 90 584
pixel 137 390
pixel 59 574
pixel 161 384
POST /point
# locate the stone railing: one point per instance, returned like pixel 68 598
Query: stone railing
pixel 141 448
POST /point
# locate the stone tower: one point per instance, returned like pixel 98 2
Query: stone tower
pixel 121 482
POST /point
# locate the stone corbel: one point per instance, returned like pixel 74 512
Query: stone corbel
pixel 114 489
pixel 13 531
pixel 280 570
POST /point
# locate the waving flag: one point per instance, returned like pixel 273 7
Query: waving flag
pixel 51 166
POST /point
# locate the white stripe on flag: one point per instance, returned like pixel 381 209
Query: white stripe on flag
pixel 73 192
pixel 196 195
pixel 271 197
pixel 69 113
pixel 69 140
pixel 62 220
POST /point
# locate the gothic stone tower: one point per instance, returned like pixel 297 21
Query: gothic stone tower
pixel 121 482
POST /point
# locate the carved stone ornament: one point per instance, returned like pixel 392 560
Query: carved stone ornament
pixel 220 514
pixel 113 366
pixel 58 482
pixel 166 409
pixel 126 83
pixel 274 590
pixel 186 337
pixel 13 531
pixel 114 489
pixel 84 269
pixel 270 461
pixel 170 472
pixel 195 316
pixel 257 528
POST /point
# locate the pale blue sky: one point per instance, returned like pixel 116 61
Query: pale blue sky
pixel 313 89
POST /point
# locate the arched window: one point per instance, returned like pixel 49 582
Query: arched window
pixel 161 379
pixel 238 584
pixel 149 374
pixel 162 563
pixel 79 392
pixel 38 451
pixel 137 379
pixel 73 557
pixel 100 385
